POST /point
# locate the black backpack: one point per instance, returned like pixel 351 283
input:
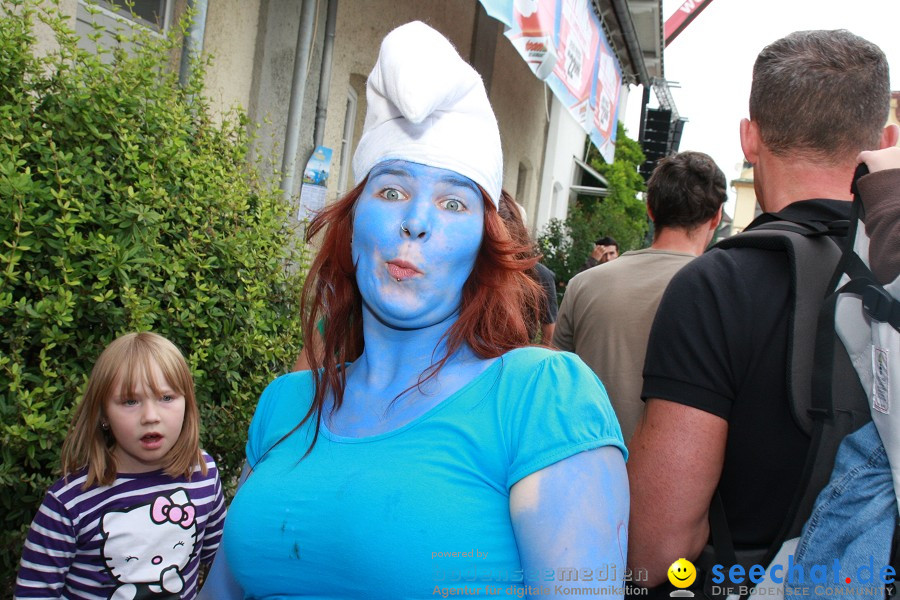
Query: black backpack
pixel 826 397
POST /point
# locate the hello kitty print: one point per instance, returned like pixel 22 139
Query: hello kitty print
pixel 146 548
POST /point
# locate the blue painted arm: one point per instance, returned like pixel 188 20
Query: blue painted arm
pixel 220 583
pixel 574 515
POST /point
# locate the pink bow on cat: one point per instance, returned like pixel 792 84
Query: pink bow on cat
pixel 164 509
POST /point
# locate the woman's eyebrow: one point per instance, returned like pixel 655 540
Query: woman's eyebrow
pixel 457 180
pixel 450 179
pixel 396 171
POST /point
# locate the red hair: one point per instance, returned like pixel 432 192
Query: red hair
pixel 499 300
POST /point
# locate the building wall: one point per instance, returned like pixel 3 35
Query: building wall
pixel 516 95
pixel 272 78
pixel 230 37
pixel 520 103
pixel 894 114
pixel 45 40
pixel 231 33
pixel 359 30
pixel 745 205
pixel 254 44
pixel 565 139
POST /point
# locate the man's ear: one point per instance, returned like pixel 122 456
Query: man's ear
pixel 889 136
pixel 750 140
pixel 714 222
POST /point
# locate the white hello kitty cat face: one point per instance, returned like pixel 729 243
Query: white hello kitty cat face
pixel 144 541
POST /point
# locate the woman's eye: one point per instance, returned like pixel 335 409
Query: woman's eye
pixel 167 398
pixel 129 402
pixel 392 194
pixel 454 205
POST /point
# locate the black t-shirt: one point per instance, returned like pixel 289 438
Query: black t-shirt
pixel 549 307
pixel 719 343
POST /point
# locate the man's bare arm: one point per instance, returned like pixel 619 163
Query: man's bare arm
pixel 676 460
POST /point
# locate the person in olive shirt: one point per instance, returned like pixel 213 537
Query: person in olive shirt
pixel 607 311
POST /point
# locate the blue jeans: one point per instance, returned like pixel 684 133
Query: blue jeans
pixel 853 520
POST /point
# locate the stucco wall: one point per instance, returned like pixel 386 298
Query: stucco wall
pixel 270 89
pixel 254 43
pixel 231 29
pixel 520 105
pixel 360 29
pixel 894 114
pixel 565 140
pixel 46 41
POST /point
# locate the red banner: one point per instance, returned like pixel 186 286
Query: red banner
pixel 682 17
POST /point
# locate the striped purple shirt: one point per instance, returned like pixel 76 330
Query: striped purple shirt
pixel 144 536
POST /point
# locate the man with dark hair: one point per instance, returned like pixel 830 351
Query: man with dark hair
pixel 718 410
pixel 605 249
pixel 606 313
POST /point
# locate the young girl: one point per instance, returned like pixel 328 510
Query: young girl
pixel 140 505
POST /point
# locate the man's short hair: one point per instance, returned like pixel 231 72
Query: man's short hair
pixel 826 93
pixel 606 241
pixel 685 190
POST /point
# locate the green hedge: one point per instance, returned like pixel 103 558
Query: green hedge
pixel 125 206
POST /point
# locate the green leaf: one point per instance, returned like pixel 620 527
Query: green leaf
pixel 126 208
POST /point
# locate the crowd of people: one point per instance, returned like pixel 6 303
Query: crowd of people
pixel 424 445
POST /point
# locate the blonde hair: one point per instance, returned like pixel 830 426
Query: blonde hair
pixel 126 361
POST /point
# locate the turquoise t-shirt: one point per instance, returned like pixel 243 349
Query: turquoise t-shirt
pixel 422 508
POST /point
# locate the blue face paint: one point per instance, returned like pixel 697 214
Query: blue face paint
pixel 416 233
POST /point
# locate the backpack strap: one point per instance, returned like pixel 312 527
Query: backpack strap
pixel 878 303
pixel 837 228
pixel 838 405
pixel 812 259
pixel 815 260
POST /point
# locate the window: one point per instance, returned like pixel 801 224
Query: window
pixel 522 182
pixel 113 16
pixel 150 13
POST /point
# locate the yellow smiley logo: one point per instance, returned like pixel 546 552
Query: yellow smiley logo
pixel 682 573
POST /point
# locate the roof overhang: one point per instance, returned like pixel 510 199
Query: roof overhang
pixel 634 29
pixel 586 190
pixel 591 171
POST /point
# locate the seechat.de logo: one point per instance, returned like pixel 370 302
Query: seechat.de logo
pixel 682 574
pixel 834 573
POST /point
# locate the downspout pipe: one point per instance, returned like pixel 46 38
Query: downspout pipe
pixel 298 86
pixel 325 76
pixel 193 40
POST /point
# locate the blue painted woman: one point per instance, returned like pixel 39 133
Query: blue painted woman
pixel 432 451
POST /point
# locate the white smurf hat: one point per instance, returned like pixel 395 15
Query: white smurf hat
pixel 427 105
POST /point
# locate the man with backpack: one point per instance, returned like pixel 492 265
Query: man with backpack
pixel 854 520
pixel 720 437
